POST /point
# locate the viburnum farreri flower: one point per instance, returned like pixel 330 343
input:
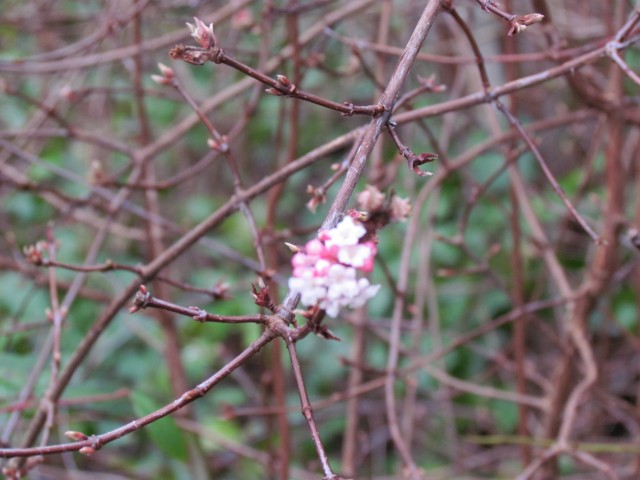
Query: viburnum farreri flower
pixel 325 271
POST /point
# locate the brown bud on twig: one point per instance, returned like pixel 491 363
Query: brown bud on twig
pixel 318 196
pixel 286 84
pixel 167 75
pixel 192 55
pixel 284 81
pixel 262 296
pixel 531 18
pixel 274 91
pixel 74 435
pixel 221 291
pixel 520 24
pixel 141 299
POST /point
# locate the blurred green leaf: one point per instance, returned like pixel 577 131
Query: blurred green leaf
pixel 164 432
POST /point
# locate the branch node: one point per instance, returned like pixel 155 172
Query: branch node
pixel 141 300
pixel 351 110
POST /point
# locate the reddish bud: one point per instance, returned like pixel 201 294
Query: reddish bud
pixel 520 24
pixel 531 18
pixel 74 435
pixel 262 296
pixel 141 299
pixel 370 198
pixel 87 451
pixel 202 33
pixel 285 83
pixel 221 291
pixel 167 77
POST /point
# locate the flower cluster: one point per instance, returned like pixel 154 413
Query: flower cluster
pixel 325 270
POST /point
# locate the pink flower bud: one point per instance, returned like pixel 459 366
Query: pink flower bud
pixel 314 247
pixel 531 18
pixel 322 268
pixel 202 33
pixel 370 199
pixel 324 235
pixel 160 80
pixel 283 80
pixel 400 208
pixel 166 71
pixel 299 260
pixel 367 265
pixel 77 436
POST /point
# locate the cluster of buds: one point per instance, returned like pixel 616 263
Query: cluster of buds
pixel 520 23
pixel 283 87
pixel 167 77
pixel 202 33
pixel 325 271
pixel 34 254
pixel 262 296
pixel 382 210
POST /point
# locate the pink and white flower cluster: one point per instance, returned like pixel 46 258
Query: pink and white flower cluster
pixel 325 271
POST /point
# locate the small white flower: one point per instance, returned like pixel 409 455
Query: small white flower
pixel 355 255
pixel 331 308
pixel 347 232
pixel 342 288
pixel 311 289
pixel 366 291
